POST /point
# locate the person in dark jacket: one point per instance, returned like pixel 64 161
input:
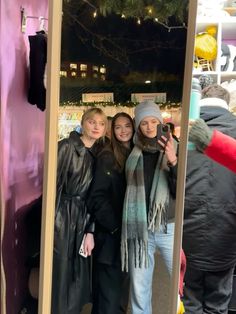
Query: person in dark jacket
pixel 209 234
pixel 71 287
pixel 110 285
pixel 148 217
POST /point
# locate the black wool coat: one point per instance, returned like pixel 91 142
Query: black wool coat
pixel 105 205
pixel 71 272
pixel 209 233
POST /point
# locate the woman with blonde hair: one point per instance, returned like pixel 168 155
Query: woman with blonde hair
pixel 71 272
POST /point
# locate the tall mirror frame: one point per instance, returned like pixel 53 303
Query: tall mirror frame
pixel 182 158
pixel 50 161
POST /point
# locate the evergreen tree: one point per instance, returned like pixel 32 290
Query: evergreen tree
pixel 155 9
pixel 145 9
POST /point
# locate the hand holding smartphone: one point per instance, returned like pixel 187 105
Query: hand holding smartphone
pixel 81 249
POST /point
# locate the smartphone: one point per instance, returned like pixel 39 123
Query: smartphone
pixel 163 130
pixel 81 249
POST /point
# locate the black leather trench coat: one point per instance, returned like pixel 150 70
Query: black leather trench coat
pixel 71 287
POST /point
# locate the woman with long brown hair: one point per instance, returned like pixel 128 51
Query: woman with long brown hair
pixel 110 285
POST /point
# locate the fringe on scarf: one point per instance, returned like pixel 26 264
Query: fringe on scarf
pixel 157 217
pixel 139 253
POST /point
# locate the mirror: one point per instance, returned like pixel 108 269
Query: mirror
pixel 122 60
pixel 112 43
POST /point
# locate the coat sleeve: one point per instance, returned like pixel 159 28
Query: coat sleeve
pixel 172 180
pixel 222 149
pixel 62 152
pixel 99 201
pixel 63 149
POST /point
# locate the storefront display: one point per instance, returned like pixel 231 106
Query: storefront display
pixel 68 120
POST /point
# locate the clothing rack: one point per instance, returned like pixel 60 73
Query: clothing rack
pixel 24 18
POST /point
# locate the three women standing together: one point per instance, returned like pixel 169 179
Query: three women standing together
pixel 133 211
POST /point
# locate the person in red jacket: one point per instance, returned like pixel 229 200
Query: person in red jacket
pixel 213 143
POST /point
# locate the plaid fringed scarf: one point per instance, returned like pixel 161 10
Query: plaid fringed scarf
pixel 135 224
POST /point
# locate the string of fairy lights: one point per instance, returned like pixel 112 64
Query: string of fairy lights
pixel 165 105
pixel 139 21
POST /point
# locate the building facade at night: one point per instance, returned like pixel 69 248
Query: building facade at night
pixel 83 70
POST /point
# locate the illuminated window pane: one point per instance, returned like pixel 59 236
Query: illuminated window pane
pixel 103 77
pixel 63 73
pixel 83 67
pixel 103 70
pixel 83 74
pixel 73 66
pixel 73 74
pixel 95 68
pixel 95 75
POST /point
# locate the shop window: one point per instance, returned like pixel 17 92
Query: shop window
pixel 83 74
pixel 63 73
pixel 83 67
pixel 73 66
pixel 74 74
pixel 95 75
pixel 103 70
pixel 95 68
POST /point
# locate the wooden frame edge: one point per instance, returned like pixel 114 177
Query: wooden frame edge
pixel 50 156
pixel 182 159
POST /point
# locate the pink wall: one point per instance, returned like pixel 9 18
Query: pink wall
pixel 22 141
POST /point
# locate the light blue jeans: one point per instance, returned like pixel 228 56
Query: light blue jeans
pixel 141 278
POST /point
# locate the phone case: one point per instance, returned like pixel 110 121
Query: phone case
pixel 81 249
pixel 163 129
